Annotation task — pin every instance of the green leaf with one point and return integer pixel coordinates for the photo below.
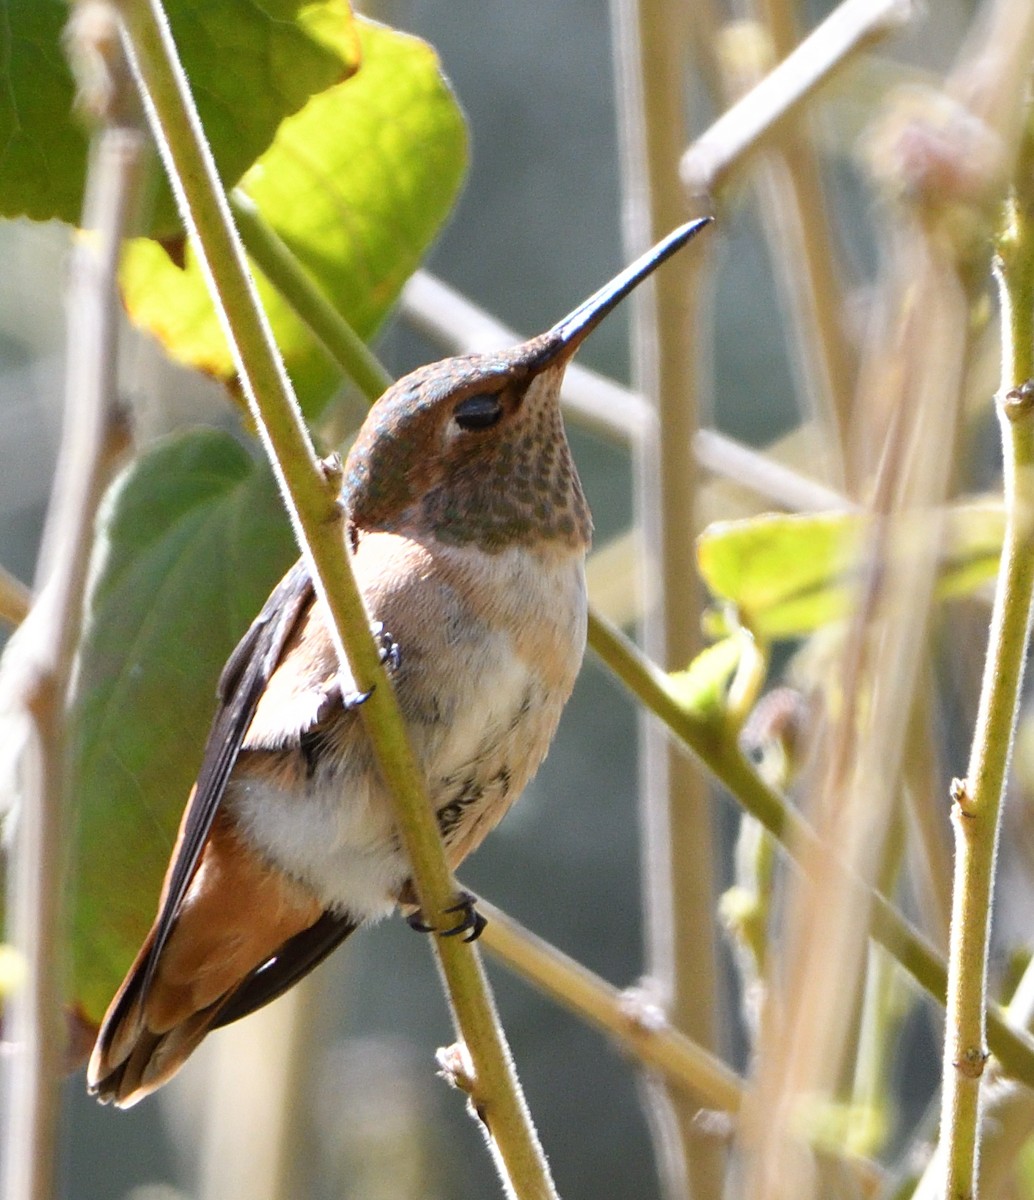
(193, 538)
(357, 185)
(250, 64)
(42, 146)
(787, 575)
(702, 688)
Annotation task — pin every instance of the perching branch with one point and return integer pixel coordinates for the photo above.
(644, 1034)
(310, 491)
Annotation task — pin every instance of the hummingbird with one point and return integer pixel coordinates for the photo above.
(467, 529)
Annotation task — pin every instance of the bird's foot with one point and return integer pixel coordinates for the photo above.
(387, 647)
(391, 660)
(471, 922)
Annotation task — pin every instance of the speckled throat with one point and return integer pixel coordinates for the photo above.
(522, 489)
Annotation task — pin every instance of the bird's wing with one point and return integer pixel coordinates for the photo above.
(241, 685)
(295, 958)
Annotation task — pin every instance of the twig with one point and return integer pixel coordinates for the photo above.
(851, 27)
(797, 229)
(885, 1003)
(675, 817)
(977, 798)
(38, 668)
(761, 473)
(645, 1034)
(283, 270)
(1006, 1119)
(310, 489)
(870, 695)
(927, 846)
(710, 744)
(631, 1020)
(791, 206)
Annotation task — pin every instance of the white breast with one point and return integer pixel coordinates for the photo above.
(490, 649)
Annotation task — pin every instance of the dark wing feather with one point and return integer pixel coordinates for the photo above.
(295, 958)
(244, 677)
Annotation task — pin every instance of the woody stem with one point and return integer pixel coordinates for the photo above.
(310, 490)
(977, 798)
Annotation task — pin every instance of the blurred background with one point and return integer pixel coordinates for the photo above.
(538, 228)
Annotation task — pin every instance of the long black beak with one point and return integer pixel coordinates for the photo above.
(576, 326)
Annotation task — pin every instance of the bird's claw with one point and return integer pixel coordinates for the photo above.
(387, 647)
(352, 700)
(471, 922)
(391, 660)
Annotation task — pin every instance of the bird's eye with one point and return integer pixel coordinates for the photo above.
(480, 411)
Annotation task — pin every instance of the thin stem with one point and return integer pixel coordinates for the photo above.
(253, 1125)
(744, 127)
(977, 798)
(641, 1031)
(39, 669)
(801, 241)
(631, 1020)
(310, 490)
(884, 1005)
(1006, 1119)
(928, 848)
(763, 474)
(1013, 1047)
(794, 215)
(651, 41)
(275, 259)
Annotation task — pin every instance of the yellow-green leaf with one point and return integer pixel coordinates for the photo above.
(357, 184)
(787, 575)
(703, 686)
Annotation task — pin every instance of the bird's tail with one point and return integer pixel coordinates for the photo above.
(148, 1032)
